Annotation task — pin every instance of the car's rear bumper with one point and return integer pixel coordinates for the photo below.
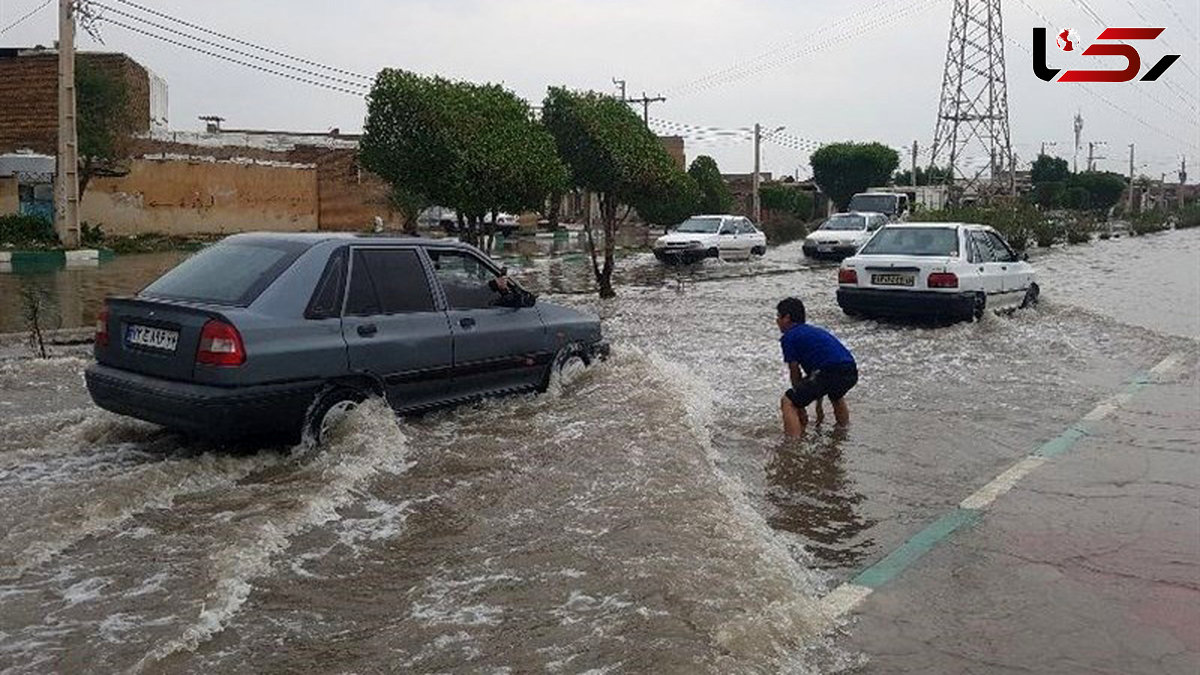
(219, 413)
(674, 255)
(834, 252)
(927, 304)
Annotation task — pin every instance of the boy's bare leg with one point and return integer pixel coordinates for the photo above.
(841, 412)
(793, 418)
(820, 411)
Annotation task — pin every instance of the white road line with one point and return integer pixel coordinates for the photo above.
(1168, 364)
(1002, 483)
(1104, 409)
(843, 599)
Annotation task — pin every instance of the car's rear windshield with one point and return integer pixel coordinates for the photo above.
(228, 273)
(933, 241)
(845, 222)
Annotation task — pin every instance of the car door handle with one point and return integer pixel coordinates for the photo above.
(368, 330)
(466, 322)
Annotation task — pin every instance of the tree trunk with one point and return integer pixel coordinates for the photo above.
(552, 212)
(608, 210)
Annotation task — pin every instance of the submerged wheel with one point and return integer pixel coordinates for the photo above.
(567, 364)
(758, 250)
(979, 306)
(1031, 296)
(328, 409)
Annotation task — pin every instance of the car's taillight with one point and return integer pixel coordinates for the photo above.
(942, 280)
(847, 276)
(220, 345)
(102, 328)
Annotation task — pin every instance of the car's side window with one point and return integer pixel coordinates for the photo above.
(748, 227)
(326, 301)
(982, 248)
(729, 227)
(464, 278)
(1002, 251)
(387, 281)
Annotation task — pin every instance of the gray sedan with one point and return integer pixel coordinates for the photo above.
(277, 334)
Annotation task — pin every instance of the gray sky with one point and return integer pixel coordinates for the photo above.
(876, 76)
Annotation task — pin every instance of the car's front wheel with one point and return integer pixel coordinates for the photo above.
(567, 365)
(328, 410)
(1032, 295)
(758, 250)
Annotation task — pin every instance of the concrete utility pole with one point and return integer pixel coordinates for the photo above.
(756, 203)
(1091, 163)
(914, 164)
(1078, 133)
(645, 101)
(1183, 169)
(66, 181)
(621, 85)
(1129, 208)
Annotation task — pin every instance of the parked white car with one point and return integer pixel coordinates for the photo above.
(725, 237)
(842, 234)
(935, 270)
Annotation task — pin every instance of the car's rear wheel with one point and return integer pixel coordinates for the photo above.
(758, 250)
(1031, 296)
(979, 306)
(328, 410)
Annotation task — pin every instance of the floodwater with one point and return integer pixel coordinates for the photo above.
(645, 516)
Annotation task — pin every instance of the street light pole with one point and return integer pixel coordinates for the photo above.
(756, 204)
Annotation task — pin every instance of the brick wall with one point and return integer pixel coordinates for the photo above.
(29, 96)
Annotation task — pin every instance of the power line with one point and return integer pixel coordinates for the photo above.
(25, 16)
(239, 62)
(231, 50)
(244, 43)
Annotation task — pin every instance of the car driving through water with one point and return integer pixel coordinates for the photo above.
(721, 236)
(278, 334)
(842, 234)
(935, 270)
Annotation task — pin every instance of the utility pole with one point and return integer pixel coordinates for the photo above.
(756, 206)
(1078, 133)
(1183, 169)
(1091, 163)
(620, 85)
(1129, 208)
(645, 101)
(66, 182)
(914, 164)
(1045, 144)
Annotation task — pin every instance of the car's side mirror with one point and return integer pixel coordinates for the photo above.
(503, 271)
(1024, 257)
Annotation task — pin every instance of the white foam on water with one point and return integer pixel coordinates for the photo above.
(367, 442)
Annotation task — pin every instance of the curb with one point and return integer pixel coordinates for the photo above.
(14, 261)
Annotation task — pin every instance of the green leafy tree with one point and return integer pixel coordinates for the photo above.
(105, 125)
(1047, 169)
(843, 169)
(679, 200)
(610, 152)
(934, 175)
(714, 191)
(472, 147)
(1103, 188)
(789, 200)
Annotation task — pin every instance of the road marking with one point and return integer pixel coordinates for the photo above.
(1002, 483)
(846, 597)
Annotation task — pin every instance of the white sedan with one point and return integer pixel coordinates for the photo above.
(842, 234)
(936, 270)
(724, 236)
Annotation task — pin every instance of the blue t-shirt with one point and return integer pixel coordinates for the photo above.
(814, 348)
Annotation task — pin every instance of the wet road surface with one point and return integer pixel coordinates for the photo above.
(646, 517)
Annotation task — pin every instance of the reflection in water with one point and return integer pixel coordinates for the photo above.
(814, 498)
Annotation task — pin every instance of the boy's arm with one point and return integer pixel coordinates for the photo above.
(795, 373)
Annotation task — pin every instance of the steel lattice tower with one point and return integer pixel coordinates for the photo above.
(972, 123)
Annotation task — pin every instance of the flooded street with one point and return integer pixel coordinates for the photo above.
(643, 516)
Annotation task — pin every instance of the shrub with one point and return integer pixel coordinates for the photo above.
(1148, 222)
(1188, 216)
(91, 235)
(1079, 231)
(1016, 222)
(17, 231)
(1046, 232)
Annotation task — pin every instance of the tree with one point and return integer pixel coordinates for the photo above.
(679, 200)
(472, 147)
(1047, 169)
(611, 153)
(105, 126)
(843, 169)
(714, 191)
(790, 200)
(934, 175)
(1104, 188)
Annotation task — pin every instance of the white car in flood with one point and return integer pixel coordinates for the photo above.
(842, 234)
(935, 270)
(725, 237)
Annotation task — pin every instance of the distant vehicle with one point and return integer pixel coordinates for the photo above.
(507, 224)
(439, 217)
(935, 270)
(699, 237)
(842, 234)
(279, 334)
(893, 205)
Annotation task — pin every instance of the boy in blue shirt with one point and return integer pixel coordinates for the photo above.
(819, 365)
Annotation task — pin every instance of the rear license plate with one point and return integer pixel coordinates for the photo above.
(893, 279)
(824, 249)
(153, 338)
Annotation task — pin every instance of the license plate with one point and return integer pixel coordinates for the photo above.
(893, 279)
(824, 249)
(154, 338)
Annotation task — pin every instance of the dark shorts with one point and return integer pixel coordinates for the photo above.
(832, 382)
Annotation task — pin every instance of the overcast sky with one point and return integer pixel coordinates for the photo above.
(876, 76)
